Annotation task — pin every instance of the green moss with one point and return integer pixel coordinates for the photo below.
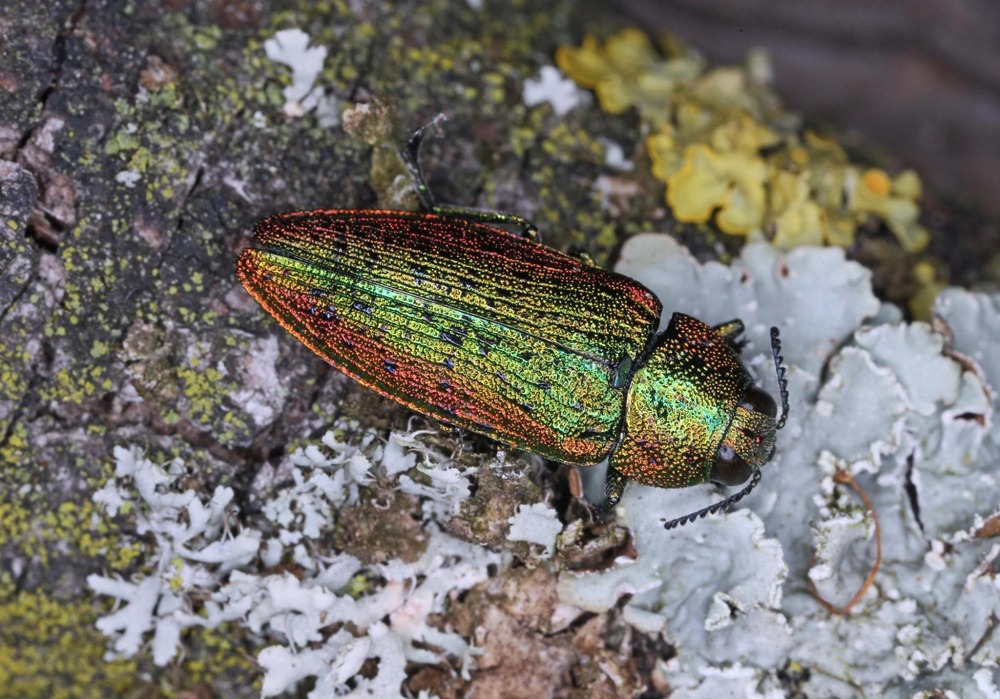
(218, 658)
(83, 529)
(50, 648)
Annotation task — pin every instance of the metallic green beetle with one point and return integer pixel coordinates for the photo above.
(493, 332)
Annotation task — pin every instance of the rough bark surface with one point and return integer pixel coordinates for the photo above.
(139, 143)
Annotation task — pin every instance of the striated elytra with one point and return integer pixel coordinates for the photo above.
(491, 331)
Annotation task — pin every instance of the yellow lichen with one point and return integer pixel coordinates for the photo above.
(218, 653)
(51, 647)
(732, 182)
(663, 152)
(626, 71)
(876, 184)
(928, 285)
(797, 220)
(82, 528)
(742, 133)
(907, 185)
(721, 141)
(875, 193)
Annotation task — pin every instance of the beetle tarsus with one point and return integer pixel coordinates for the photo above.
(527, 228)
(731, 331)
(582, 255)
(614, 487)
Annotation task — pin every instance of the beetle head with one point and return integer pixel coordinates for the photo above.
(749, 441)
(758, 403)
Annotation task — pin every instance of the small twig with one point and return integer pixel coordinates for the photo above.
(856, 687)
(991, 624)
(844, 477)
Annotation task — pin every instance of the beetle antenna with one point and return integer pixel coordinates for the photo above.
(780, 371)
(712, 509)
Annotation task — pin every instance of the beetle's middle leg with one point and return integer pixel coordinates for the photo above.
(614, 487)
(411, 156)
(730, 331)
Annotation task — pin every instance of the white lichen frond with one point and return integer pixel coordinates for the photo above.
(537, 524)
(553, 88)
(201, 547)
(291, 47)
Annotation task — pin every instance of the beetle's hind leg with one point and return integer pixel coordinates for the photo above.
(411, 156)
(731, 331)
(528, 229)
(614, 487)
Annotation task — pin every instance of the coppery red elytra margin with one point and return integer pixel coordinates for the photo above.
(491, 331)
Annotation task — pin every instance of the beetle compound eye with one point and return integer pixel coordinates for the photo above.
(759, 402)
(729, 468)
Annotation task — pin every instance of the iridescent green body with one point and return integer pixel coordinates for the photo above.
(496, 333)
(461, 321)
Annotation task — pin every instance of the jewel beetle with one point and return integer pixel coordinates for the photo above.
(489, 330)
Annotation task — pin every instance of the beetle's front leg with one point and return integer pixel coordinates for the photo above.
(730, 331)
(614, 487)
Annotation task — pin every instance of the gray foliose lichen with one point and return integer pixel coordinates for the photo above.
(907, 410)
